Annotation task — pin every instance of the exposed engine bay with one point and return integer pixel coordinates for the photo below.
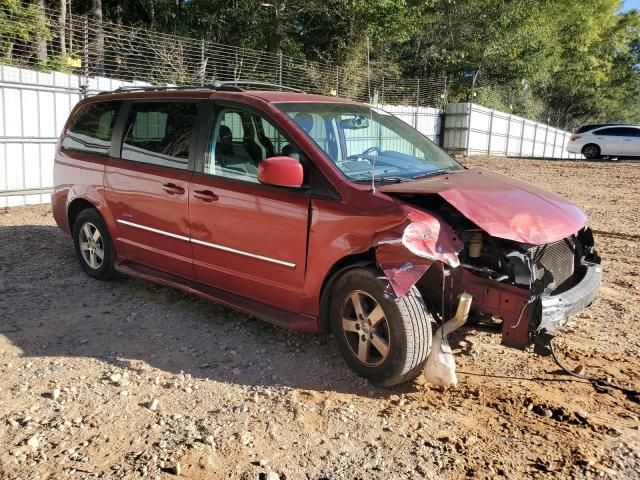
(510, 280)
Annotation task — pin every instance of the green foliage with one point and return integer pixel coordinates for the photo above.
(19, 22)
(571, 61)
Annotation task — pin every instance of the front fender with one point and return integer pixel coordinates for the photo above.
(406, 252)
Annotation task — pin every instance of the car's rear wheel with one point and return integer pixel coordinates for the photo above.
(383, 338)
(93, 245)
(591, 151)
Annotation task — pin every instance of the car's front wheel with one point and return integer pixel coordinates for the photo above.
(93, 245)
(591, 151)
(383, 338)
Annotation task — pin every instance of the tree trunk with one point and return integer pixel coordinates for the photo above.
(62, 28)
(41, 41)
(98, 40)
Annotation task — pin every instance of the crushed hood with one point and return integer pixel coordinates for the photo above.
(502, 206)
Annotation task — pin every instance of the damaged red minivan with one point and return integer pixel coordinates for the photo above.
(315, 213)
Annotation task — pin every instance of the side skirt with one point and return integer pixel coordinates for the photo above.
(276, 316)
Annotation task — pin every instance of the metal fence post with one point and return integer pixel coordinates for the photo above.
(521, 138)
(202, 64)
(506, 143)
(337, 80)
(555, 139)
(280, 68)
(468, 128)
(535, 139)
(544, 150)
(415, 123)
(445, 94)
(85, 53)
(490, 132)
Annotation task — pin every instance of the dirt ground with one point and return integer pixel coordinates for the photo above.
(238, 398)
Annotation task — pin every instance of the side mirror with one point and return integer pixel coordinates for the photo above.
(281, 171)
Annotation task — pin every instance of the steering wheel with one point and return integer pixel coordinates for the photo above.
(368, 151)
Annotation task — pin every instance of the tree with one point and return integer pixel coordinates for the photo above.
(98, 40)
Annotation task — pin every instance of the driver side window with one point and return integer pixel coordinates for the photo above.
(239, 141)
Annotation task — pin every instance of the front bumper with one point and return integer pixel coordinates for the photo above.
(556, 309)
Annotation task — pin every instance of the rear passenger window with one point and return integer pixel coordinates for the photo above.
(92, 128)
(614, 132)
(160, 133)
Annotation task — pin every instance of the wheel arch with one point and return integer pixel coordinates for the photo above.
(346, 263)
(74, 209)
(591, 144)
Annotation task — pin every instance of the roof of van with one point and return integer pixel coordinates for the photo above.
(270, 96)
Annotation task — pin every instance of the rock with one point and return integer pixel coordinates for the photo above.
(153, 404)
(209, 440)
(582, 415)
(262, 462)
(33, 443)
(115, 377)
(271, 475)
(55, 394)
(124, 382)
(580, 369)
(176, 469)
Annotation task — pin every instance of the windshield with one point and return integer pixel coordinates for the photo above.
(362, 141)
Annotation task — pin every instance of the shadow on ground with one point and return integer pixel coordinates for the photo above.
(49, 307)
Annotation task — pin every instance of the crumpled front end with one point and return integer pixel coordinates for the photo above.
(406, 253)
(531, 289)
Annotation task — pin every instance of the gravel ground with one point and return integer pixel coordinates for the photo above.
(129, 379)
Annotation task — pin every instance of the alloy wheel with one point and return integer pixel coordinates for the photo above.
(91, 245)
(365, 328)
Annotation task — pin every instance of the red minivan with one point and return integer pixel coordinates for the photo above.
(316, 213)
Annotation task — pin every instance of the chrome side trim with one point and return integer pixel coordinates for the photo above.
(154, 230)
(246, 254)
(207, 244)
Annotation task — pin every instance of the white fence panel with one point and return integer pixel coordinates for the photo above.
(477, 130)
(34, 107)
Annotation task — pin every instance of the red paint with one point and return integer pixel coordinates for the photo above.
(281, 171)
(213, 218)
(405, 254)
(502, 206)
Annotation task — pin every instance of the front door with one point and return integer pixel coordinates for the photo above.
(147, 188)
(631, 142)
(247, 238)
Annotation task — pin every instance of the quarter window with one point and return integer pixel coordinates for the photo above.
(92, 128)
(160, 133)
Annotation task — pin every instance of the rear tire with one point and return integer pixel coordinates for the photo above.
(389, 340)
(93, 245)
(591, 151)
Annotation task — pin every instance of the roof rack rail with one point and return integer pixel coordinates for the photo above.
(251, 83)
(230, 85)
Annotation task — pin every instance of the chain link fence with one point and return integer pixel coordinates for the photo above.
(99, 49)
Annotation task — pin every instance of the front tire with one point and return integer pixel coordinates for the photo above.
(381, 337)
(591, 151)
(93, 245)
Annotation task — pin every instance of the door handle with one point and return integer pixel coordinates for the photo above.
(206, 195)
(172, 188)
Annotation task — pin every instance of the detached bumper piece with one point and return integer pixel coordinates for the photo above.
(556, 309)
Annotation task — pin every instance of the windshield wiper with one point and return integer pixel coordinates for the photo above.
(388, 179)
(431, 173)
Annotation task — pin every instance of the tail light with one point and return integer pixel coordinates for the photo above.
(573, 138)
